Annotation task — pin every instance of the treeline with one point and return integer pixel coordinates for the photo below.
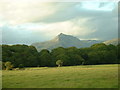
(28, 56)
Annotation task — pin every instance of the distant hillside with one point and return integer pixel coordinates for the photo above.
(63, 40)
(113, 41)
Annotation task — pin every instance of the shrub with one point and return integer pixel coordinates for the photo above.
(59, 63)
(8, 65)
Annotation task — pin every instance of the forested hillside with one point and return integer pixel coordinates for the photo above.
(28, 56)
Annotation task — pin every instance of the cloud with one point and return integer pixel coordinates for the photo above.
(32, 21)
(80, 10)
(24, 11)
(16, 35)
(36, 32)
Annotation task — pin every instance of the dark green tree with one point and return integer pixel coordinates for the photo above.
(45, 58)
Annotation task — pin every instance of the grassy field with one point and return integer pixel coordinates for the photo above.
(90, 76)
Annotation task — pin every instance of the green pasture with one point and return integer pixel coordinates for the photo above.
(86, 76)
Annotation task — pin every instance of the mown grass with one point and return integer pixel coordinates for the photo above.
(89, 76)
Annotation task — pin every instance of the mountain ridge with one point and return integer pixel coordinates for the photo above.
(63, 40)
(114, 41)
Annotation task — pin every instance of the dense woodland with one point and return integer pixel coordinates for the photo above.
(28, 56)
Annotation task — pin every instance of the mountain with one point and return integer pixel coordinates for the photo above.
(113, 41)
(63, 40)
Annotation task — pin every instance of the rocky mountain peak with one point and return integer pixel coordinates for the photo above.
(61, 35)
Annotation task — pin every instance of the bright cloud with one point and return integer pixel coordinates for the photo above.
(24, 11)
(21, 12)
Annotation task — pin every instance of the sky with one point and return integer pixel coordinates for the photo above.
(30, 21)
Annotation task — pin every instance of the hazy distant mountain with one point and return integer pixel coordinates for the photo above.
(113, 41)
(65, 41)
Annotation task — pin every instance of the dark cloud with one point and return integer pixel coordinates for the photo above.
(70, 10)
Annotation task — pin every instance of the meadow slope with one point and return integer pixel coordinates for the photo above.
(88, 76)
